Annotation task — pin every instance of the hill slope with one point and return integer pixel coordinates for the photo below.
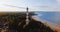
(16, 21)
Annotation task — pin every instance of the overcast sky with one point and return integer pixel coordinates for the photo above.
(34, 5)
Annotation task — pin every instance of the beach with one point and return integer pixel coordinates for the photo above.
(53, 26)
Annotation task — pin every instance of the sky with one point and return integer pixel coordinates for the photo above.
(34, 5)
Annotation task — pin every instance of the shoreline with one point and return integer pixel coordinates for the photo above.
(51, 25)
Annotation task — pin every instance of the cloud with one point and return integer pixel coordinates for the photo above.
(48, 7)
(58, 1)
(34, 5)
(2, 0)
(10, 9)
(4, 8)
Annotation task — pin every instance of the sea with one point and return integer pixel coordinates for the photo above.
(53, 17)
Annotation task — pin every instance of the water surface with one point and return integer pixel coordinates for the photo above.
(53, 17)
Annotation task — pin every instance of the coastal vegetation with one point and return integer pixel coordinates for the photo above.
(16, 21)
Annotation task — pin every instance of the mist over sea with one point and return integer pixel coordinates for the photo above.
(53, 17)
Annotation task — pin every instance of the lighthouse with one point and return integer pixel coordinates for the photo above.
(27, 16)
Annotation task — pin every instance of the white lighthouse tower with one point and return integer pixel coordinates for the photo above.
(27, 16)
